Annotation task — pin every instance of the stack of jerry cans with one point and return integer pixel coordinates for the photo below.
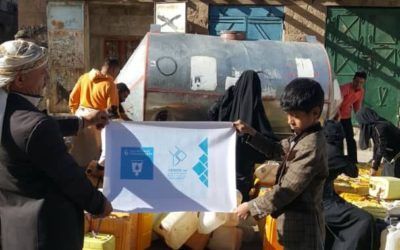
(99, 242)
(131, 231)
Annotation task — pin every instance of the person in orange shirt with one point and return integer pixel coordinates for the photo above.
(353, 94)
(95, 90)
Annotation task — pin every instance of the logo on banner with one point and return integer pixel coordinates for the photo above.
(177, 171)
(137, 163)
(177, 156)
(201, 168)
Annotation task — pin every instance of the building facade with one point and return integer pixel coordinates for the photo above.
(357, 34)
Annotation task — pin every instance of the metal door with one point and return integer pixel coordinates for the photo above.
(383, 43)
(257, 22)
(367, 39)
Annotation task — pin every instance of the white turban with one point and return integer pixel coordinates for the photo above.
(17, 56)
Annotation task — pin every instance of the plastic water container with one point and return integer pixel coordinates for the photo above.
(131, 231)
(384, 187)
(383, 239)
(232, 218)
(197, 241)
(226, 238)
(99, 242)
(270, 241)
(177, 227)
(209, 221)
(266, 173)
(393, 238)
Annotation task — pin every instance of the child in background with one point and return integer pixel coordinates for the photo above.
(296, 198)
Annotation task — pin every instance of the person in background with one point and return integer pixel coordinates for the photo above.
(386, 139)
(43, 191)
(347, 226)
(95, 169)
(123, 92)
(352, 94)
(243, 101)
(95, 90)
(296, 198)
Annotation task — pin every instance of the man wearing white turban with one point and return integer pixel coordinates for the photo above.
(43, 192)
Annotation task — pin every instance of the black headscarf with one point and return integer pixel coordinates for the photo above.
(367, 118)
(243, 101)
(247, 97)
(333, 132)
(337, 162)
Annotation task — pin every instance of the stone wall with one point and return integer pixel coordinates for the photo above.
(130, 22)
(31, 13)
(131, 19)
(197, 17)
(304, 19)
(301, 17)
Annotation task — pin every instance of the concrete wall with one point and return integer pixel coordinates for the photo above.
(301, 17)
(130, 22)
(197, 17)
(131, 19)
(31, 13)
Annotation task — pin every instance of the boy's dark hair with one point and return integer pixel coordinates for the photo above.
(122, 87)
(360, 74)
(302, 94)
(111, 62)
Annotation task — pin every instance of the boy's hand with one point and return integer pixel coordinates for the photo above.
(242, 210)
(244, 128)
(373, 172)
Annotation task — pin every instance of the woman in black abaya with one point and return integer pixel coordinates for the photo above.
(386, 139)
(243, 101)
(347, 227)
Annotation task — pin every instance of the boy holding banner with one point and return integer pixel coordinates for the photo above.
(296, 198)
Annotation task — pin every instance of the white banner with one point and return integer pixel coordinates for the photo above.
(170, 166)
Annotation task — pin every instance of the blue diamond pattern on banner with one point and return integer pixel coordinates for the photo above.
(201, 168)
(204, 146)
(203, 159)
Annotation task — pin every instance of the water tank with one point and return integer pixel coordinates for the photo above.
(174, 76)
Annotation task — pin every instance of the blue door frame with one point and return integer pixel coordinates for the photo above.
(257, 22)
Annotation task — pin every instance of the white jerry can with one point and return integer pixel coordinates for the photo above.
(226, 238)
(177, 227)
(232, 218)
(393, 238)
(209, 221)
